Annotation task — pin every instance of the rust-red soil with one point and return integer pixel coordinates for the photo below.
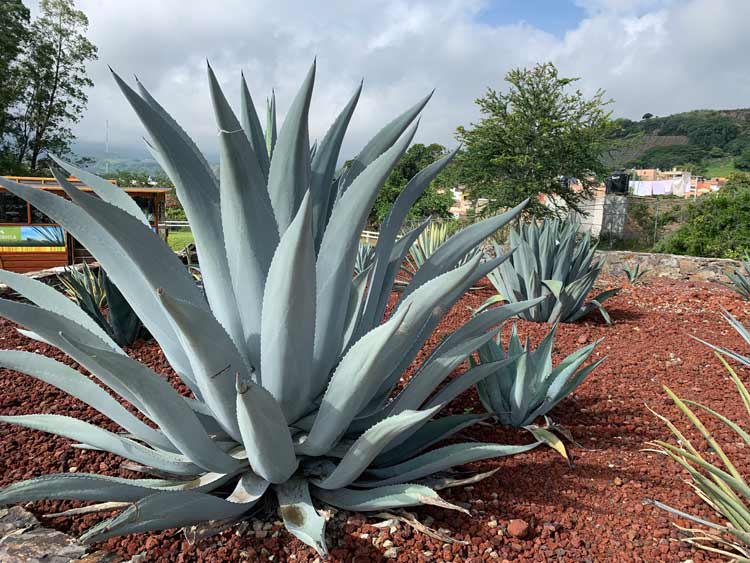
(590, 511)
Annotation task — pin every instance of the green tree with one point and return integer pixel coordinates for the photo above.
(14, 20)
(55, 81)
(743, 160)
(436, 199)
(532, 138)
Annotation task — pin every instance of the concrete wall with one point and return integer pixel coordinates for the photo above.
(669, 265)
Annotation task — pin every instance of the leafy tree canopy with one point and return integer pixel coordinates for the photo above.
(533, 136)
(50, 78)
(436, 199)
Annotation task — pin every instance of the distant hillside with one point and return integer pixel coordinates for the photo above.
(117, 159)
(710, 142)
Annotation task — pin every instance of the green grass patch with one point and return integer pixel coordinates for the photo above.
(178, 240)
(720, 167)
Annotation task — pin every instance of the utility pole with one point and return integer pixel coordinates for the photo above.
(106, 145)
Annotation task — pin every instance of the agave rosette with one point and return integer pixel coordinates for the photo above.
(528, 387)
(291, 360)
(549, 261)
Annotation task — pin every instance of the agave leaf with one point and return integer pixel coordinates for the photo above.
(48, 298)
(434, 371)
(165, 406)
(164, 510)
(456, 247)
(198, 191)
(489, 302)
(204, 170)
(427, 306)
(548, 437)
(250, 229)
(264, 433)
(573, 382)
(79, 486)
(354, 381)
(356, 302)
(382, 292)
(481, 323)
(77, 385)
(379, 498)
(370, 444)
(555, 286)
(253, 130)
(730, 423)
(390, 228)
(213, 356)
(426, 436)
(271, 124)
(122, 320)
(715, 472)
(100, 488)
(323, 167)
(289, 174)
(49, 326)
(710, 440)
(439, 460)
(299, 514)
(80, 431)
(249, 490)
(288, 323)
(381, 142)
(338, 251)
(104, 189)
(466, 381)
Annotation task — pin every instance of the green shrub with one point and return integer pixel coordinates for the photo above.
(717, 225)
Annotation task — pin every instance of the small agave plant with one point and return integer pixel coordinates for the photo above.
(634, 273)
(549, 261)
(739, 279)
(425, 246)
(528, 386)
(291, 360)
(93, 292)
(365, 257)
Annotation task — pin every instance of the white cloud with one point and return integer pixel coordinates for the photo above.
(659, 56)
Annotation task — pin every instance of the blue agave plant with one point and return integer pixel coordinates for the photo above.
(290, 358)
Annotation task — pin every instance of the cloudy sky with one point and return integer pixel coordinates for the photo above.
(658, 56)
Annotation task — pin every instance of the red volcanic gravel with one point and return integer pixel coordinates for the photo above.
(590, 511)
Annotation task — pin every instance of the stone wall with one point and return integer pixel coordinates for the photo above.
(669, 265)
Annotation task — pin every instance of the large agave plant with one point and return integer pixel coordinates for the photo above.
(528, 387)
(549, 261)
(290, 359)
